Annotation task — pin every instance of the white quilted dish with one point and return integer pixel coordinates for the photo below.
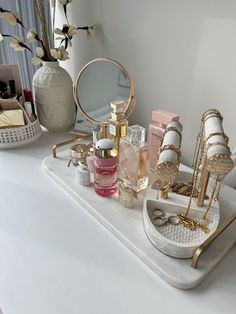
(176, 240)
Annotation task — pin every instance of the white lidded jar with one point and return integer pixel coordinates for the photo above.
(53, 96)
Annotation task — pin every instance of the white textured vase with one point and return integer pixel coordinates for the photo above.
(53, 96)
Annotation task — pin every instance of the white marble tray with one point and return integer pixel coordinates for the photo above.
(127, 226)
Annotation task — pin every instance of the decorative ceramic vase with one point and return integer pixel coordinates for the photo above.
(53, 96)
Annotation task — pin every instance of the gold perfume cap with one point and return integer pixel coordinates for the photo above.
(79, 151)
(105, 148)
(118, 106)
(117, 116)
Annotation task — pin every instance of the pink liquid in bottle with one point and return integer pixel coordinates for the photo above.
(105, 168)
(105, 176)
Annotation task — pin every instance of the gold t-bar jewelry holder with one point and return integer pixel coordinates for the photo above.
(217, 165)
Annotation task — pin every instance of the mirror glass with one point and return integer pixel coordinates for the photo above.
(101, 82)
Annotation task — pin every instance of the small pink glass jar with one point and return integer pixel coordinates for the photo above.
(105, 168)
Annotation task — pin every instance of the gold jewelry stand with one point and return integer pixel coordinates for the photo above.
(212, 162)
(204, 180)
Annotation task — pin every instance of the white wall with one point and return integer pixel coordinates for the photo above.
(181, 55)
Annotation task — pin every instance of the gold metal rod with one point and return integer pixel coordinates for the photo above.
(196, 150)
(77, 138)
(211, 239)
(203, 185)
(210, 200)
(196, 168)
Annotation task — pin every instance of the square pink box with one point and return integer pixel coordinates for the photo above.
(164, 117)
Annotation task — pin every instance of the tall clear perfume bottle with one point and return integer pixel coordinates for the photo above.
(134, 159)
(117, 125)
(105, 168)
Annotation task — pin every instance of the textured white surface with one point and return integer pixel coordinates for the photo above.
(127, 226)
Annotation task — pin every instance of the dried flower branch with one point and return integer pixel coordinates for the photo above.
(40, 9)
(66, 34)
(64, 3)
(44, 53)
(17, 43)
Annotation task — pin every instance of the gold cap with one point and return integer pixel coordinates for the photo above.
(117, 116)
(118, 106)
(79, 151)
(105, 148)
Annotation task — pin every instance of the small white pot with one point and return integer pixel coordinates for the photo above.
(53, 96)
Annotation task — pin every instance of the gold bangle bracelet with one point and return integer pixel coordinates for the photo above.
(171, 147)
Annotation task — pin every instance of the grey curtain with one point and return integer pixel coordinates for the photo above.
(27, 12)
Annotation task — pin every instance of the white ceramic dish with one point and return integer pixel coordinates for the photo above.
(176, 240)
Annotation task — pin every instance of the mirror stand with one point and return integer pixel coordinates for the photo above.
(100, 81)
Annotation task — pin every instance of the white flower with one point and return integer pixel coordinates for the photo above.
(55, 53)
(72, 30)
(18, 43)
(36, 60)
(31, 34)
(91, 30)
(67, 32)
(64, 53)
(58, 31)
(65, 2)
(40, 52)
(1, 37)
(59, 53)
(10, 17)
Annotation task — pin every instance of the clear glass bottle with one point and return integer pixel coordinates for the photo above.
(134, 159)
(105, 168)
(117, 125)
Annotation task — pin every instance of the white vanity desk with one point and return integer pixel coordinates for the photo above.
(56, 259)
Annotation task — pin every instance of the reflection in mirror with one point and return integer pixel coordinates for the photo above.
(100, 83)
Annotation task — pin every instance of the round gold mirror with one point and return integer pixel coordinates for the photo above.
(100, 82)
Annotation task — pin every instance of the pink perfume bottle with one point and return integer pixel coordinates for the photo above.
(105, 168)
(156, 131)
